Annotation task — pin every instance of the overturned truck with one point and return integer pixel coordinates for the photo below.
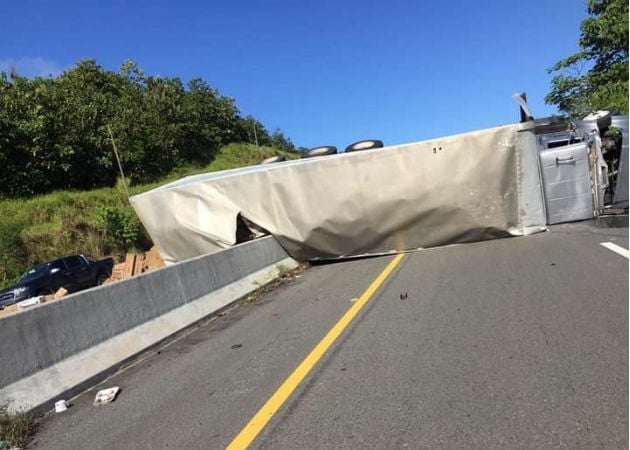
(463, 188)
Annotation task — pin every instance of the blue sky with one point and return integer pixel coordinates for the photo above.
(327, 72)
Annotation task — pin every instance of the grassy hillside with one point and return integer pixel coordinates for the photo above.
(98, 222)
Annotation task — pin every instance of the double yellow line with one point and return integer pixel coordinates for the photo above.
(264, 415)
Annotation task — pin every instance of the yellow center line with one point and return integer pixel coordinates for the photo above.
(264, 415)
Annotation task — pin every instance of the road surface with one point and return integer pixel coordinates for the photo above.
(512, 343)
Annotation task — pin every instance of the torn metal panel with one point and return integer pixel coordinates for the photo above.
(462, 188)
(621, 184)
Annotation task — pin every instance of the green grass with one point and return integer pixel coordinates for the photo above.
(229, 157)
(98, 222)
(15, 427)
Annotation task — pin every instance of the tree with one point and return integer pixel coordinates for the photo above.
(54, 131)
(596, 77)
(86, 98)
(280, 141)
(25, 128)
(209, 122)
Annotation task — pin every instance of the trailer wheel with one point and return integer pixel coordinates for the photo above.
(273, 159)
(602, 117)
(320, 151)
(364, 145)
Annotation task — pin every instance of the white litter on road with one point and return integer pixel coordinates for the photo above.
(106, 395)
(61, 406)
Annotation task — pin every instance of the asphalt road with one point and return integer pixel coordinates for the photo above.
(512, 343)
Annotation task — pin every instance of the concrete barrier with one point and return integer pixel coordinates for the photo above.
(57, 349)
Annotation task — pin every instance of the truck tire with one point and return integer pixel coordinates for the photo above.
(602, 117)
(320, 151)
(364, 145)
(273, 159)
(102, 278)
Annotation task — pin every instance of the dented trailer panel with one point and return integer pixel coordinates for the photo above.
(461, 188)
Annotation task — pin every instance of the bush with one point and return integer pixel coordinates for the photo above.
(121, 228)
(15, 427)
(11, 250)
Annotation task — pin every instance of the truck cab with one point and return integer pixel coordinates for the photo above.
(584, 166)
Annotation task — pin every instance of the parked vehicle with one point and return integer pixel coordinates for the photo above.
(73, 273)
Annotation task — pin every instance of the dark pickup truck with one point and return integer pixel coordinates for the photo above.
(73, 273)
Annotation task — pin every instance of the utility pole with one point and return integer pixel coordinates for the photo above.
(255, 134)
(122, 174)
(256, 137)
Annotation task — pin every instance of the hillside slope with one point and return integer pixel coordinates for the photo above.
(99, 222)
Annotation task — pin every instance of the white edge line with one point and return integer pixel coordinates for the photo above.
(616, 248)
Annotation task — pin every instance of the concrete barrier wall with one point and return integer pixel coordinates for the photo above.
(37, 339)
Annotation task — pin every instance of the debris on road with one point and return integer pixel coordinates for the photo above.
(33, 301)
(235, 346)
(284, 276)
(61, 292)
(136, 264)
(106, 396)
(61, 406)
